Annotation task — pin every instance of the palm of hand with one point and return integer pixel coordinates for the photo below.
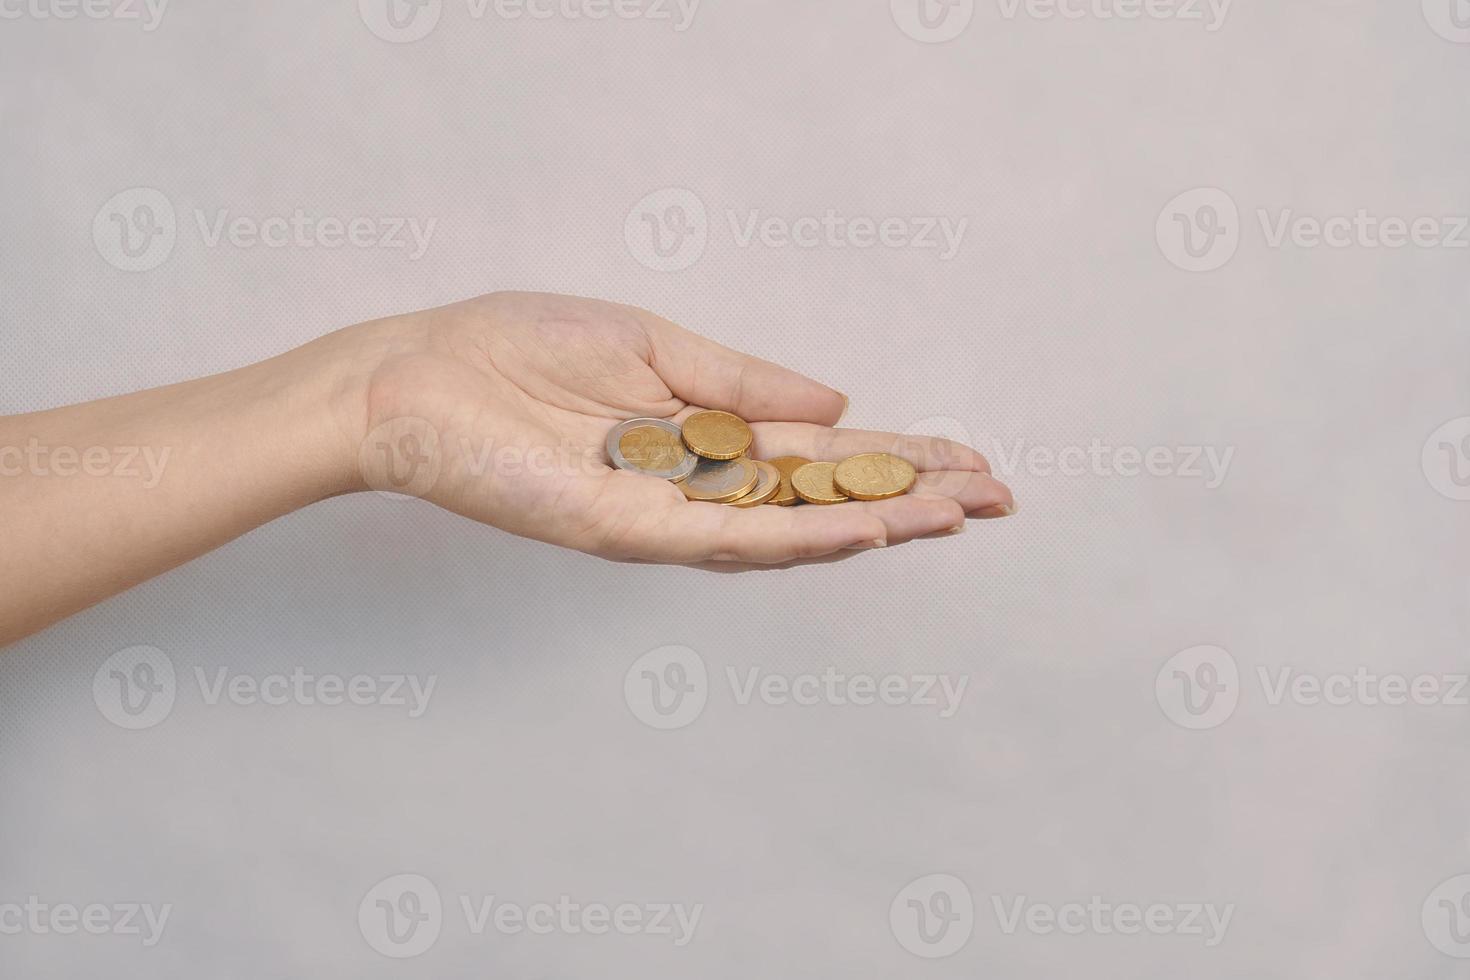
(520, 391)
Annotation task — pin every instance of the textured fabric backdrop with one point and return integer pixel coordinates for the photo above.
(1080, 236)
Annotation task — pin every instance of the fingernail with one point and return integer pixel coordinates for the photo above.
(864, 545)
(845, 402)
(997, 510)
(957, 529)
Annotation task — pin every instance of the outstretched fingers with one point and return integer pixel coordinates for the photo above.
(646, 523)
(820, 442)
(947, 469)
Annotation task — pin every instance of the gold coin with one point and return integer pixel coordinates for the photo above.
(648, 448)
(874, 476)
(765, 487)
(787, 465)
(719, 482)
(813, 483)
(717, 435)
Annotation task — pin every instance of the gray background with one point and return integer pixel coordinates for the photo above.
(1062, 320)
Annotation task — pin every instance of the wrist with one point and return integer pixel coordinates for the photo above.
(335, 378)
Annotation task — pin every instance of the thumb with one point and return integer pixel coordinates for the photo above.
(705, 373)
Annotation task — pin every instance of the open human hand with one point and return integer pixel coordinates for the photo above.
(498, 409)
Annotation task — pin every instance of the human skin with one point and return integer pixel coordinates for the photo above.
(507, 400)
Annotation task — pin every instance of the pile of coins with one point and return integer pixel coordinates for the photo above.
(707, 458)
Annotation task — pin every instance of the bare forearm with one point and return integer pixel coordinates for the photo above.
(98, 497)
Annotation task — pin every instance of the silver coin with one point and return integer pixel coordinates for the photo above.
(653, 447)
(721, 481)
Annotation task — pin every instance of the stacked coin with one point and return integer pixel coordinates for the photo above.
(707, 458)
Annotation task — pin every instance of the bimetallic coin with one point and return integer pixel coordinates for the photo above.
(766, 485)
(874, 476)
(653, 447)
(813, 483)
(717, 435)
(787, 465)
(721, 481)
